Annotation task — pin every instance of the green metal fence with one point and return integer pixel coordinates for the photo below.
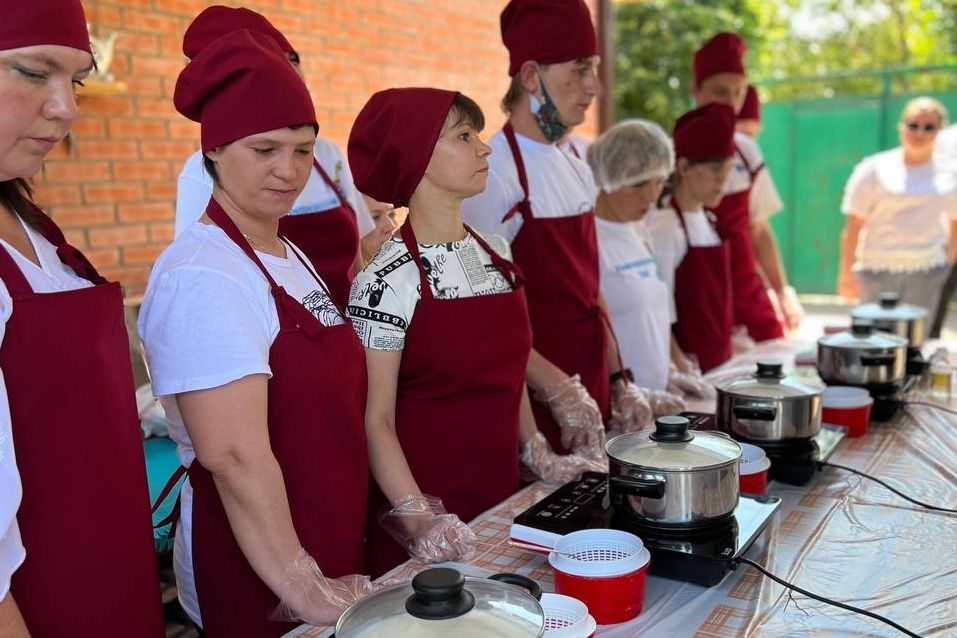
(811, 146)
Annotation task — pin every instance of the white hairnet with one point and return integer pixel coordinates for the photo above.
(630, 152)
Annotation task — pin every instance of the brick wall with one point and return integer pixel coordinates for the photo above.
(112, 187)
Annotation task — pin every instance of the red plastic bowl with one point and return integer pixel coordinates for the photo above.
(847, 406)
(753, 470)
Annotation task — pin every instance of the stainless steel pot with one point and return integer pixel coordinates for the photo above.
(862, 357)
(770, 406)
(672, 476)
(890, 315)
(442, 602)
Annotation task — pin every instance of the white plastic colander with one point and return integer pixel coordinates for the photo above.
(599, 553)
(567, 617)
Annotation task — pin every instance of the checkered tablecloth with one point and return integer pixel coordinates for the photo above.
(841, 536)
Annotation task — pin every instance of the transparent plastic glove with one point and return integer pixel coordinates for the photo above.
(690, 384)
(630, 410)
(577, 415)
(537, 455)
(791, 308)
(427, 531)
(310, 597)
(664, 403)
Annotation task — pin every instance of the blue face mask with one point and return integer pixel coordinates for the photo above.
(546, 114)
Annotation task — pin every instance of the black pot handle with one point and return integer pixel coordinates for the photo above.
(648, 488)
(520, 581)
(877, 360)
(755, 412)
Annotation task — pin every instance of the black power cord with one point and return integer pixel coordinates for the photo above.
(927, 404)
(851, 608)
(935, 508)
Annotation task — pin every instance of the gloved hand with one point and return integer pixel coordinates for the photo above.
(577, 415)
(664, 403)
(630, 410)
(690, 383)
(427, 531)
(537, 455)
(308, 596)
(791, 308)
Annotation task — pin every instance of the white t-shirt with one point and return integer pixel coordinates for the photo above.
(209, 318)
(576, 145)
(559, 186)
(946, 143)
(195, 186)
(668, 238)
(50, 276)
(764, 199)
(385, 293)
(639, 300)
(906, 211)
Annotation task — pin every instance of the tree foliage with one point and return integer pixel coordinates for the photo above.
(787, 39)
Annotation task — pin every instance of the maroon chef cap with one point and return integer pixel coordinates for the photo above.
(392, 141)
(217, 20)
(751, 110)
(705, 133)
(547, 31)
(723, 53)
(28, 23)
(240, 85)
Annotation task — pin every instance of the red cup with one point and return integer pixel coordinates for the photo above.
(605, 569)
(847, 406)
(753, 470)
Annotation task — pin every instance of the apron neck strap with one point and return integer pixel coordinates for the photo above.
(524, 206)
(412, 245)
(332, 184)
(290, 311)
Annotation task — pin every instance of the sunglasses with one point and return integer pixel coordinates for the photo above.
(914, 127)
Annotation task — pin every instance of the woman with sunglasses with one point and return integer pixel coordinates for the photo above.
(899, 205)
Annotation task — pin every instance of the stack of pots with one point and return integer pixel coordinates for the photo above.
(863, 357)
(769, 407)
(674, 478)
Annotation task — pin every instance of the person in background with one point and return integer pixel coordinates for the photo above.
(76, 545)
(631, 162)
(901, 215)
(377, 209)
(261, 375)
(748, 120)
(542, 201)
(330, 216)
(750, 199)
(443, 318)
(693, 257)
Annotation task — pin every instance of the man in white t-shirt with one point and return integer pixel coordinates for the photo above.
(541, 200)
(750, 199)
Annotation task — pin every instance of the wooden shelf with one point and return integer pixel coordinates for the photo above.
(98, 88)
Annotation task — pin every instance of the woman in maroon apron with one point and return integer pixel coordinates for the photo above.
(79, 548)
(330, 237)
(719, 76)
(443, 317)
(266, 377)
(703, 140)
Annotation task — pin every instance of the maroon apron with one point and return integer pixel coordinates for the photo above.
(458, 398)
(329, 238)
(315, 418)
(752, 306)
(90, 568)
(559, 258)
(703, 303)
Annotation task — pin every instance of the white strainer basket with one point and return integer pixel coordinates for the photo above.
(567, 617)
(599, 553)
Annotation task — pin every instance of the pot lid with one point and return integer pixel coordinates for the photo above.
(862, 336)
(673, 446)
(442, 602)
(889, 308)
(770, 382)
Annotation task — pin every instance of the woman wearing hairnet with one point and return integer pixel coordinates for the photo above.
(631, 162)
